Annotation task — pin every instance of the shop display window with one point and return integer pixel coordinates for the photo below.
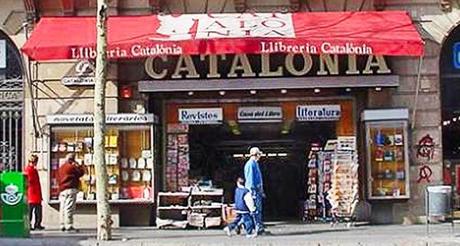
(129, 158)
(387, 160)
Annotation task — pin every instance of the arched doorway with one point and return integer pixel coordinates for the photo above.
(11, 104)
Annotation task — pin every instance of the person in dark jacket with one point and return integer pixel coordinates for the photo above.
(34, 192)
(244, 206)
(68, 177)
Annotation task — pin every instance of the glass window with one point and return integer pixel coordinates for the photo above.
(387, 160)
(129, 159)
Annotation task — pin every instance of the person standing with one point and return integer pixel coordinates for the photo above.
(254, 183)
(68, 176)
(34, 192)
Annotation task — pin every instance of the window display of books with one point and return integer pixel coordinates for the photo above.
(129, 160)
(387, 158)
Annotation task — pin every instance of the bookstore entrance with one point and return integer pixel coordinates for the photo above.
(218, 154)
(208, 144)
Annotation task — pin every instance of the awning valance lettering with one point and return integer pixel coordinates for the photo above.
(362, 33)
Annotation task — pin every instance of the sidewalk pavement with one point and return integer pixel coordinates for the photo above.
(284, 234)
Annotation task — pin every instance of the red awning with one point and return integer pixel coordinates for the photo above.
(378, 33)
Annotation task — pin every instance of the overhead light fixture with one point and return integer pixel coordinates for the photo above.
(378, 88)
(283, 91)
(317, 90)
(190, 93)
(222, 93)
(286, 128)
(348, 89)
(282, 154)
(253, 92)
(454, 119)
(234, 128)
(238, 155)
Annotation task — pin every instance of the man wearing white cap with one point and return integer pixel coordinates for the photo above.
(254, 183)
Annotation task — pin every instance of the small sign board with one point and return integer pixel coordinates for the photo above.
(11, 96)
(198, 116)
(456, 55)
(331, 112)
(260, 114)
(2, 53)
(82, 74)
(77, 119)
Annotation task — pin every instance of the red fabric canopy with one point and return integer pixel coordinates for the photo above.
(362, 33)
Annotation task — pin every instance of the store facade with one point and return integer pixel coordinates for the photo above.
(211, 106)
(310, 104)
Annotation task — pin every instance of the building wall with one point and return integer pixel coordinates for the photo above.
(426, 120)
(50, 97)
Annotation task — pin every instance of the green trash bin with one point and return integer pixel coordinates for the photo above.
(14, 210)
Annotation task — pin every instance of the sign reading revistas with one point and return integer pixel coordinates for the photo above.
(260, 114)
(330, 112)
(197, 116)
(75, 119)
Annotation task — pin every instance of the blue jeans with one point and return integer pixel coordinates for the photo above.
(258, 216)
(245, 219)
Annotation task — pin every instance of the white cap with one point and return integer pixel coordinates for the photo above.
(255, 151)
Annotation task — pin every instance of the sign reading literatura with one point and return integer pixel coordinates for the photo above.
(318, 112)
(262, 65)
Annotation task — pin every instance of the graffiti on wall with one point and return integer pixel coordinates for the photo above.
(424, 174)
(425, 152)
(425, 148)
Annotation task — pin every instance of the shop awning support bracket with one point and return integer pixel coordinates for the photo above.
(417, 91)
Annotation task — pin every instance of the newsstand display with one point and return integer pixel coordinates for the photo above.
(332, 180)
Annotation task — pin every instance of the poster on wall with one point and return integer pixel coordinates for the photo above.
(2, 54)
(200, 116)
(331, 112)
(457, 178)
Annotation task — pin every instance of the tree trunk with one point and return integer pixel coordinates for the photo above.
(103, 209)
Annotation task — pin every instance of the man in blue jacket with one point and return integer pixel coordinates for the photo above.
(254, 183)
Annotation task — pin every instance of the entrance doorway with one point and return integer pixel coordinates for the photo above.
(217, 153)
(11, 105)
